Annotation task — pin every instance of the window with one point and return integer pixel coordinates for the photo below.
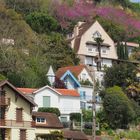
(40, 120)
(2, 112)
(90, 50)
(83, 76)
(22, 134)
(97, 34)
(89, 61)
(83, 95)
(63, 119)
(83, 105)
(46, 101)
(104, 51)
(19, 114)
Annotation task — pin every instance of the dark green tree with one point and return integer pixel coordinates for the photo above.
(42, 22)
(118, 108)
(122, 75)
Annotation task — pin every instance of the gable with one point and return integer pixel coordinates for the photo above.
(6, 84)
(87, 39)
(70, 75)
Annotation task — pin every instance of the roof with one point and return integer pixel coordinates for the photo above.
(130, 44)
(52, 120)
(27, 90)
(82, 29)
(75, 70)
(3, 83)
(61, 92)
(76, 135)
(68, 92)
(70, 75)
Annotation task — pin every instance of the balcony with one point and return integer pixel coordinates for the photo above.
(4, 101)
(14, 123)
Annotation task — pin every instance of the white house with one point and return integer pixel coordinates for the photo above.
(67, 101)
(84, 44)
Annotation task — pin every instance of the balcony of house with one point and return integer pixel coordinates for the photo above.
(14, 123)
(4, 101)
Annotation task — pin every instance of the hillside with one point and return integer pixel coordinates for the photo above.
(38, 29)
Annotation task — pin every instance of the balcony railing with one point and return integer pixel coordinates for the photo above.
(14, 123)
(4, 101)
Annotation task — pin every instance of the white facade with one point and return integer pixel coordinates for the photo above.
(84, 75)
(66, 104)
(86, 93)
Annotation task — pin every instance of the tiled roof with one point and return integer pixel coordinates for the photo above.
(52, 120)
(82, 29)
(27, 90)
(68, 92)
(3, 83)
(75, 70)
(76, 135)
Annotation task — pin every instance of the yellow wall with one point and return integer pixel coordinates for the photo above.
(44, 130)
(20, 103)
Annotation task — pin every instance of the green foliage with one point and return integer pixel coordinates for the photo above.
(118, 108)
(87, 115)
(42, 22)
(54, 135)
(115, 31)
(49, 110)
(110, 132)
(130, 135)
(98, 132)
(101, 119)
(57, 52)
(86, 82)
(2, 77)
(122, 51)
(24, 6)
(120, 74)
(75, 117)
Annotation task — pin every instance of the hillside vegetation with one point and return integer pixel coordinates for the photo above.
(38, 29)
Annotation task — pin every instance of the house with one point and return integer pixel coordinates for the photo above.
(66, 100)
(84, 76)
(80, 72)
(15, 114)
(45, 123)
(83, 43)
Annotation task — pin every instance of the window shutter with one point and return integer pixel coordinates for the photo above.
(46, 101)
(22, 134)
(19, 114)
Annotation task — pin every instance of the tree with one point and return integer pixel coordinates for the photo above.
(49, 110)
(42, 22)
(56, 51)
(118, 108)
(24, 6)
(122, 74)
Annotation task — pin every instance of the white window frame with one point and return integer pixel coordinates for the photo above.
(40, 120)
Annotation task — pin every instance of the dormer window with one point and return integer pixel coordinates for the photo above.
(97, 35)
(40, 120)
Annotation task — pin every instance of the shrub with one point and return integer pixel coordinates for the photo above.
(75, 117)
(41, 22)
(98, 132)
(49, 110)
